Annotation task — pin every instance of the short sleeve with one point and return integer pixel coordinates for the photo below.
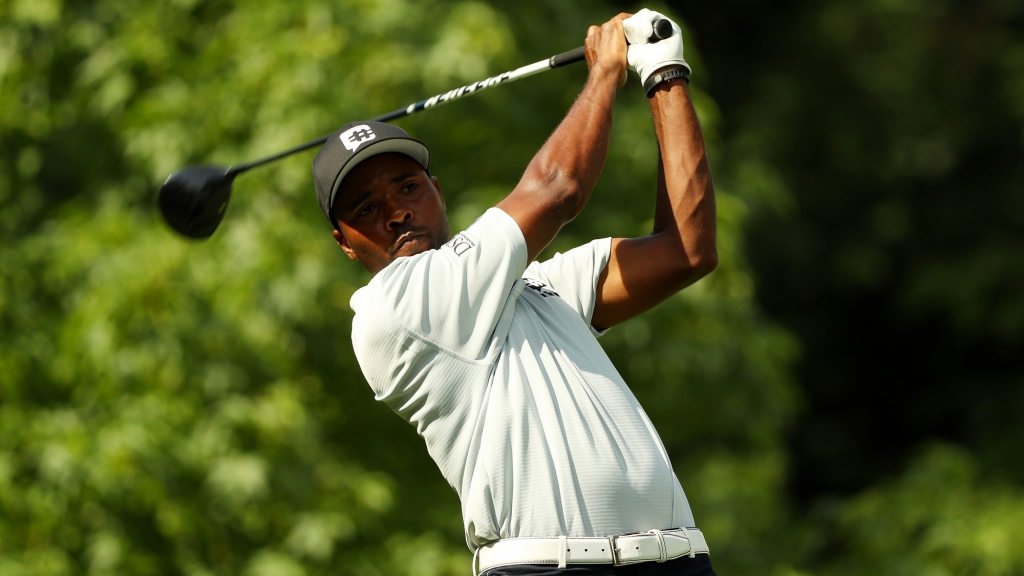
(457, 296)
(574, 275)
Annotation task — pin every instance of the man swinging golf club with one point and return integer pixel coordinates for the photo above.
(493, 356)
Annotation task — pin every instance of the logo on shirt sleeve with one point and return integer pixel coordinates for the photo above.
(460, 244)
(539, 287)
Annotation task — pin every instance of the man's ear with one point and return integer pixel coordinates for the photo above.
(437, 186)
(340, 239)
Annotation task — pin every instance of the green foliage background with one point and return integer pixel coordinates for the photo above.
(172, 407)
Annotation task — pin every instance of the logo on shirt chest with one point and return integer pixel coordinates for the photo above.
(539, 287)
(460, 243)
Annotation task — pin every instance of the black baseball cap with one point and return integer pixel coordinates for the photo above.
(353, 143)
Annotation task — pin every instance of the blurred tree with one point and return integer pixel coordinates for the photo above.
(170, 407)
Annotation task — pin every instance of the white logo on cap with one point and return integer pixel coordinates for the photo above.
(357, 135)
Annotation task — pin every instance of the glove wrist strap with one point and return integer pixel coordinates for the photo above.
(655, 79)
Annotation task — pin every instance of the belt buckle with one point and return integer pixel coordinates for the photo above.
(611, 544)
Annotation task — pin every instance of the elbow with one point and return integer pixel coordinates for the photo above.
(555, 189)
(692, 267)
(702, 255)
(706, 263)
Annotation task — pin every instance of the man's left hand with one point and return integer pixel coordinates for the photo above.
(646, 58)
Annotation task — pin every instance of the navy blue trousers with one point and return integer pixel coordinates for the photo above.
(699, 565)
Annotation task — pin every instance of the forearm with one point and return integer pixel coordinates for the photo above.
(559, 179)
(563, 173)
(685, 208)
(642, 272)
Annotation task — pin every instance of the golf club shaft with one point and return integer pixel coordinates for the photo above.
(556, 61)
(662, 29)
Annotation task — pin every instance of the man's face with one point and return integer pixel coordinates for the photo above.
(388, 207)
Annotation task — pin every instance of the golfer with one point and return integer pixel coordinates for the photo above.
(493, 356)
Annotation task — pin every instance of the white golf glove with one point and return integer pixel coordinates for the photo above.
(642, 56)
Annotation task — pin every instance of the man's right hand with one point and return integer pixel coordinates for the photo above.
(606, 49)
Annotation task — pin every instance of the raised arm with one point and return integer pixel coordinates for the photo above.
(642, 272)
(559, 179)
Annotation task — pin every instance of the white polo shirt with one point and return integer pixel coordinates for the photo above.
(499, 370)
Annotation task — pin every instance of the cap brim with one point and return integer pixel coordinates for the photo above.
(408, 146)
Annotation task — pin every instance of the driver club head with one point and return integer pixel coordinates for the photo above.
(193, 199)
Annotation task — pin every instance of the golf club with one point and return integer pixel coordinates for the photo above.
(193, 200)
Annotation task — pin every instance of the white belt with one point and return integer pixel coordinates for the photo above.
(620, 549)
